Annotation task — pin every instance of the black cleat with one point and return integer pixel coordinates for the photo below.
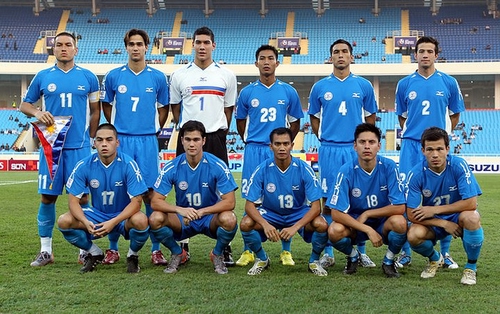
(91, 262)
(351, 266)
(228, 256)
(390, 271)
(133, 264)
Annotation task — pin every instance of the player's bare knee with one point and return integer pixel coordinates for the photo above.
(470, 220)
(227, 220)
(64, 221)
(335, 232)
(156, 220)
(319, 224)
(139, 221)
(416, 234)
(399, 224)
(246, 224)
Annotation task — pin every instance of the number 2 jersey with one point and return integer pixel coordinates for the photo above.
(197, 187)
(429, 188)
(67, 93)
(111, 186)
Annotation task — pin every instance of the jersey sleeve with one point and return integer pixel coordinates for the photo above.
(294, 110)
(467, 184)
(135, 183)
(255, 189)
(339, 197)
(174, 89)
(395, 185)
(33, 92)
(312, 185)
(456, 103)
(231, 90)
(225, 180)
(399, 100)
(163, 98)
(242, 104)
(164, 183)
(369, 102)
(414, 190)
(77, 181)
(107, 91)
(314, 106)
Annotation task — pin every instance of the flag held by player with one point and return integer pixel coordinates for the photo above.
(52, 138)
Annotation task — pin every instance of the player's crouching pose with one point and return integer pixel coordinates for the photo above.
(116, 187)
(442, 200)
(368, 202)
(283, 185)
(204, 200)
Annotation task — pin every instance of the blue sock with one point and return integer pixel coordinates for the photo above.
(318, 242)
(426, 249)
(329, 245)
(362, 247)
(113, 240)
(223, 239)
(246, 248)
(406, 249)
(444, 245)
(155, 244)
(286, 245)
(472, 242)
(138, 238)
(46, 219)
(77, 237)
(396, 241)
(166, 236)
(254, 242)
(344, 245)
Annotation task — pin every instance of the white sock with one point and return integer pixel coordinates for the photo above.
(95, 250)
(130, 253)
(46, 245)
(184, 241)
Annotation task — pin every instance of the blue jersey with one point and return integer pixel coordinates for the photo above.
(283, 192)
(267, 108)
(135, 98)
(429, 188)
(357, 191)
(66, 94)
(112, 186)
(199, 187)
(426, 102)
(341, 105)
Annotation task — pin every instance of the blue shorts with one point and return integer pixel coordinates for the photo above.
(376, 223)
(280, 221)
(67, 161)
(330, 158)
(97, 216)
(144, 150)
(409, 156)
(198, 226)
(254, 155)
(440, 233)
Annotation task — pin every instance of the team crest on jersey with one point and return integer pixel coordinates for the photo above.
(328, 96)
(94, 183)
(255, 102)
(183, 185)
(412, 95)
(356, 192)
(427, 193)
(122, 89)
(52, 87)
(271, 187)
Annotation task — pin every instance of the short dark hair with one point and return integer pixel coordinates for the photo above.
(280, 131)
(133, 32)
(341, 41)
(435, 134)
(107, 126)
(193, 125)
(204, 31)
(266, 47)
(367, 127)
(66, 34)
(428, 39)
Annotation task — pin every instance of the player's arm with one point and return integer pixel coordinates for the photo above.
(241, 125)
(315, 124)
(402, 121)
(287, 233)
(176, 112)
(158, 203)
(252, 212)
(42, 116)
(426, 212)
(95, 116)
(455, 118)
(449, 226)
(163, 115)
(386, 211)
(348, 221)
(371, 119)
(227, 203)
(228, 111)
(106, 109)
(77, 212)
(295, 127)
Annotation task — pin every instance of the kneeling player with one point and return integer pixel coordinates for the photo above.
(283, 185)
(116, 187)
(204, 200)
(442, 200)
(368, 202)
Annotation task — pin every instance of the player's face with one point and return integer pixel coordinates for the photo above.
(136, 48)
(367, 146)
(203, 48)
(193, 143)
(341, 56)
(435, 152)
(65, 49)
(267, 63)
(282, 145)
(426, 55)
(106, 143)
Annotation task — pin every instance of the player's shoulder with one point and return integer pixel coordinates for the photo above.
(386, 162)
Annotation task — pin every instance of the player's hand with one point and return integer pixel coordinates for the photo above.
(188, 213)
(271, 233)
(375, 238)
(89, 225)
(454, 229)
(103, 229)
(287, 233)
(423, 212)
(45, 117)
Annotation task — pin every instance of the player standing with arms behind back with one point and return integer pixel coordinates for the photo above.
(425, 98)
(66, 90)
